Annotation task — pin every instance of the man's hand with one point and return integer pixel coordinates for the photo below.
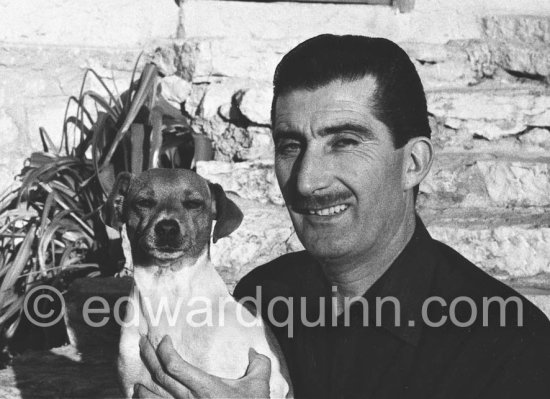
(182, 380)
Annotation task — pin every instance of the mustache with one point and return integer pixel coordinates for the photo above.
(299, 202)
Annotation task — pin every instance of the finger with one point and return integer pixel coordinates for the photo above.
(259, 365)
(198, 381)
(151, 361)
(151, 390)
(155, 389)
(141, 391)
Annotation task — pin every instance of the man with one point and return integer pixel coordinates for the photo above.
(352, 144)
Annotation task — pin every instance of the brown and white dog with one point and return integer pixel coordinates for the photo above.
(169, 215)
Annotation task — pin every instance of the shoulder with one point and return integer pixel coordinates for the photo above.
(459, 279)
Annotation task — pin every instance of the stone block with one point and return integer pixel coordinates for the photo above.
(456, 64)
(15, 146)
(265, 233)
(537, 137)
(235, 142)
(520, 43)
(517, 183)
(7, 176)
(491, 114)
(531, 143)
(444, 65)
(39, 57)
(207, 99)
(454, 181)
(459, 115)
(531, 61)
(478, 181)
(262, 147)
(515, 250)
(46, 113)
(18, 85)
(175, 90)
(249, 180)
(166, 59)
(244, 58)
(533, 285)
(40, 72)
(88, 23)
(446, 74)
(9, 130)
(526, 29)
(255, 105)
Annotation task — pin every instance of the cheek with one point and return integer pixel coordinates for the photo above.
(283, 171)
(394, 176)
(135, 224)
(386, 190)
(375, 182)
(200, 227)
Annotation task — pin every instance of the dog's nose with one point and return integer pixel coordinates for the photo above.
(167, 228)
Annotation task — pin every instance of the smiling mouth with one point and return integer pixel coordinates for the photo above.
(330, 211)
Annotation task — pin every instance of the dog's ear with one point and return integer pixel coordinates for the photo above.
(227, 214)
(115, 202)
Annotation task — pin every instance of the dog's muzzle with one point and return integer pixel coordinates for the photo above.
(167, 235)
(167, 230)
(165, 241)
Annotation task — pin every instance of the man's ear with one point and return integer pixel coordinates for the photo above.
(115, 202)
(227, 214)
(418, 160)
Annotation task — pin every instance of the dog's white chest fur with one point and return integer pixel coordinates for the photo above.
(208, 327)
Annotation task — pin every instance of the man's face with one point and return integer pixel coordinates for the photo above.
(338, 170)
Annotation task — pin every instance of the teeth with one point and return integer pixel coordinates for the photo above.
(333, 210)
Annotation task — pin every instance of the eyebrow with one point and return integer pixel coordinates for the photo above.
(327, 131)
(347, 126)
(286, 134)
(191, 195)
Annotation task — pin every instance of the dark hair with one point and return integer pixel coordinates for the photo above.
(399, 99)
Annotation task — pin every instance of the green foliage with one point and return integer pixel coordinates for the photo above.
(52, 226)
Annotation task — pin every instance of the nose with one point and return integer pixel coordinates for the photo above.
(167, 228)
(312, 173)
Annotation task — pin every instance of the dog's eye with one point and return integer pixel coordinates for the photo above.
(145, 203)
(192, 204)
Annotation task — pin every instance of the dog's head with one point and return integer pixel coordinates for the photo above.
(169, 214)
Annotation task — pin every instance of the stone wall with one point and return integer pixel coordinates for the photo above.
(485, 67)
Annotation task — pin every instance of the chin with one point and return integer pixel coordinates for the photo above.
(326, 250)
(166, 256)
(160, 257)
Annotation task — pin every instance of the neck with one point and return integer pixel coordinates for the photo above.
(164, 295)
(353, 277)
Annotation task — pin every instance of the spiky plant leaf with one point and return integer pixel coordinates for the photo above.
(52, 224)
(23, 255)
(147, 83)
